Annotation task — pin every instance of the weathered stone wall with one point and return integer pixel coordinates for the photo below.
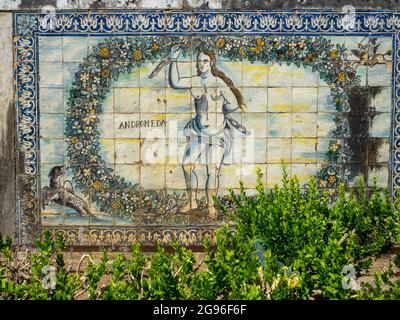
(7, 128)
(198, 4)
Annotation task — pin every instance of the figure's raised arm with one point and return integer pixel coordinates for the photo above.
(176, 81)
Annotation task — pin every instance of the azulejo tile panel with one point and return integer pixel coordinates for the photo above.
(129, 123)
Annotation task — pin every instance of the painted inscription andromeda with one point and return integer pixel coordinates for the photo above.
(142, 129)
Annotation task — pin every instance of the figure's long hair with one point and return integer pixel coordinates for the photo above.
(220, 74)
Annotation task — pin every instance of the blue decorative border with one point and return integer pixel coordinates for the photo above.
(204, 22)
(28, 26)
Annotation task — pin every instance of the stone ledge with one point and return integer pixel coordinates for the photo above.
(197, 4)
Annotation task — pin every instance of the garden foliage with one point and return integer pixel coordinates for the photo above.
(291, 242)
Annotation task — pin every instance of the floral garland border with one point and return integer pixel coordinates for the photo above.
(119, 55)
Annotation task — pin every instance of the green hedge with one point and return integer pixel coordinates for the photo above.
(291, 242)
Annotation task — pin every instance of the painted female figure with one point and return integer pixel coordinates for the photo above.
(209, 134)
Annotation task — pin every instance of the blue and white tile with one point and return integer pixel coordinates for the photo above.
(381, 125)
(109, 124)
(304, 99)
(325, 100)
(256, 122)
(126, 100)
(322, 148)
(177, 101)
(153, 151)
(128, 80)
(279, 99)
(304, 124)
(280, 75)
(229, 176)
(51, 75)
(233, 70)
(130, 172)
(304, 150)
(279, 125)
(380, 75)
(127, 151)
(148, 172)
(75, 49)
(255, 74)
(50, 49)
(304, 77)
(156, 127)
(52, 125)
(256, 99)
(152, 100)
(278, 150)
(174, 178)
(382, 102)
(249, 176)
(51, 151)
(325, 124)
(107, 150)
(51, 100)
(68, 73)
(159, 81)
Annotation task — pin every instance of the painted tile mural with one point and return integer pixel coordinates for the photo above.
(129, 125)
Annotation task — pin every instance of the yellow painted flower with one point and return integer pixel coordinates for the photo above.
(105, 73)
(115, 204)
(220, 43)
(301, 45)
(92, 111)
(322, 183)
(74, 140)
(334, 147)
(292, 45)
(256, 49)
(334, 53)
(86, 172)
(97, 184)
(332, 179)
(84, 77)
(104, 52)
(339, 100)
(154, 46)
(241, 51)
(137, 55)
(259, 42)
(310, 57)
(92, 118)
(341, 76)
